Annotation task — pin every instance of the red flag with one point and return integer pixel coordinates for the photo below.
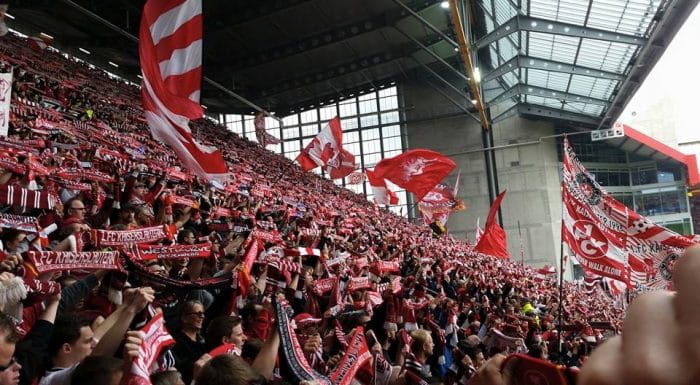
(357, 177)
(418, 171)
(493, 240)
(170, 50)
(341, 165)
(324, 147)
(382, 194)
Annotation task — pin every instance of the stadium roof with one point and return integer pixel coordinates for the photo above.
(574, 60)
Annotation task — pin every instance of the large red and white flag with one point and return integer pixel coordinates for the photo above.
(264, 138)
(592, 228)
(493, 240)
(610, 239)
(324, 147)
(170, 50)
(382, 194)
(417, 171)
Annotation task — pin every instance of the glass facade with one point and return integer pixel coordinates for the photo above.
(371, 131)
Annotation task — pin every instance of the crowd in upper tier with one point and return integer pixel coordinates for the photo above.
(80, 159)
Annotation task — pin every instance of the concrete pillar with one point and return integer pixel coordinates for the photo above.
(530, 173)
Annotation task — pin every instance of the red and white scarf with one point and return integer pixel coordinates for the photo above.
(155, 339)
(49, 261)
(19, 222)
(29, 199)
(127, 237)
(200, 250)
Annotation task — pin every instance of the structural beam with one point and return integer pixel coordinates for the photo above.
(433, 54)
(254, 13)
(332, 36)
(555, 113)
(521, 23)
(505, 114)
(352, 66)
(522, 61)
(524, 89)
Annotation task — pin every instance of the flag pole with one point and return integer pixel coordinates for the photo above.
(561, 281)
(522, 250)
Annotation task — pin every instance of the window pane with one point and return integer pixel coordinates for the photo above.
(350, 137)
(369, 121)
(390, 103)
(349, 124)
(309, 116)
(372, 133)
(390, 131)
(370, 146)
(290, 132)
(309, 130)
(348, 108)
(328, 113)
(390, 117)
(392, 144)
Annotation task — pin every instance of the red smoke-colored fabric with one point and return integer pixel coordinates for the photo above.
(417, 171)
(170, 49)
(493, 240)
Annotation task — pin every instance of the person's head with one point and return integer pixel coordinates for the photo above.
(126, 214)
(224, 330)
(250, 350)
(228, 369)
(71, 341)
(140, 189)
(101, 370)
(76, 208)
(475, 354)
(192, 316)
(186, 237)
(11, 239)
(167, 377)
(8, 340)
(422, 344)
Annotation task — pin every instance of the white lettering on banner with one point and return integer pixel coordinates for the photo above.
(46, 261)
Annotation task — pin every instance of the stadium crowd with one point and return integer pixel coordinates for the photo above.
(327, 263)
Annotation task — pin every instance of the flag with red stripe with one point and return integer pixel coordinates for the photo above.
(170, 50)
(418, 171)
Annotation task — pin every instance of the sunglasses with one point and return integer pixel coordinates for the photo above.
(199, 314)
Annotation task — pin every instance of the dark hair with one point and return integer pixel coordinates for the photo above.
(7, 327)
(251, 348)
(228, 369)
(535, 350)
(69, 203)
(96, 370)
(66, 329)
(167, 377)
(219, 328)
(9, 235)
(182, 234)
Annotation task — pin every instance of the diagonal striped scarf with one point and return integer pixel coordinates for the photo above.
(17, 196)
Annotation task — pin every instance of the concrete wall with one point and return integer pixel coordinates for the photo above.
(530, 173)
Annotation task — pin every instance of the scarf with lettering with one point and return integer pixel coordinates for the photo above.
(292, 353)
(19, 222)
(50, 261)
(127, 237)
(80, 173)
(356, 355)
(148, 252)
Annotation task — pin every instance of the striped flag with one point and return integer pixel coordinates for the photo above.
(155, 339)
(170, 49)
